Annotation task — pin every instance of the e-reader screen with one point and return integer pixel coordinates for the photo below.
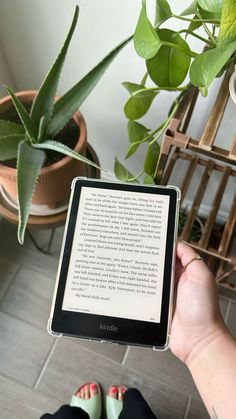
(118, 253)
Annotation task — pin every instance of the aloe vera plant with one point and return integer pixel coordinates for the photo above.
(169, 62)
(29, 141)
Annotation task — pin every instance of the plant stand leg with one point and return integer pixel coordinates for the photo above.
(46, 250)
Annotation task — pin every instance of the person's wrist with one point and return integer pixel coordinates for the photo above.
(215, 336)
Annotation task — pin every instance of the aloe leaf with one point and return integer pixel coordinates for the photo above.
(24, 116)
(207, 65)
(162, 67)
(42, 128)
(9, 146)
(213, 6)
(63, 149)
(121, 172)
(29, 163)
(138, 104)
(227, 32)
(8, 127)
(151, 158)
(163, 12)
(146, 40)
(44, 101)
(71, 101)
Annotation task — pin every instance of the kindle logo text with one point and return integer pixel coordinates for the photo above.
(108, 327)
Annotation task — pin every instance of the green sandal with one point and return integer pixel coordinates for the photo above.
(92, 406)
(113, 406)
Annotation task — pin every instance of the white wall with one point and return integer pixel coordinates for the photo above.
(32, 32)
(5, 72)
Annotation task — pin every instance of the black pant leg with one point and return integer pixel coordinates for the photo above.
(67, 412)
(135, 407)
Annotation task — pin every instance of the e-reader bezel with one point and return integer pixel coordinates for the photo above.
(119, 330)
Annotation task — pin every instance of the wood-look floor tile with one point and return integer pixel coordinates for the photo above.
(197, 410)
(110, 351)
(23, 349)
(45, 264)
(223, 305)
(162, 366)
(70, 366)
(29, 297)
(19, 402)
(8, 271)
(231, 320)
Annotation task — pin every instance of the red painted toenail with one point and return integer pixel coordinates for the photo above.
(93, 386)
(113, 389)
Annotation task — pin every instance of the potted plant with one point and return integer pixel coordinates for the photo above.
(39, 131)
(169, 63)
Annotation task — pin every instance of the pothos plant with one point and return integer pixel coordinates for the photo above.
(169, 62)
(29, 141)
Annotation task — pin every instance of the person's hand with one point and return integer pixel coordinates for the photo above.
(197, 320)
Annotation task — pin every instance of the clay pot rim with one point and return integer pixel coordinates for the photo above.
(78, 118)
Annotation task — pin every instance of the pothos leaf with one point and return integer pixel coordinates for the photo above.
(152, 155)
(136, 131)
(207, 65)
(227, 32)
(139, 103)
(168, 68)
(163, 12)
(146, 40)
(121, 172)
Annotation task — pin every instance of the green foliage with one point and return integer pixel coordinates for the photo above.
(163, 12)
(228, 23)
(146, 40)
(170, 65)
(28, 142)
(170, 61)
(207, 65)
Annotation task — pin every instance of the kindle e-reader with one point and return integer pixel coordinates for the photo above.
(115, 275)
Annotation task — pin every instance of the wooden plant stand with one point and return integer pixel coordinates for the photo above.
(178, 146)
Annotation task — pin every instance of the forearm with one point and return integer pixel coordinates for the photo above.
(213, 369)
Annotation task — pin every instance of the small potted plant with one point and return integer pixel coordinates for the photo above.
(26, 142)
(169, 63)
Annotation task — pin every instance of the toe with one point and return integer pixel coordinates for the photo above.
(93, 389)
(86, 392)
(82, 395)
(120, 393)
(113, 392)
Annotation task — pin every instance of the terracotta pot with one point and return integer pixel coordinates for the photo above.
(53, 185)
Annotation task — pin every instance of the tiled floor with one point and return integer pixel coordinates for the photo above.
(38, 373)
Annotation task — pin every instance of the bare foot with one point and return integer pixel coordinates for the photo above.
(87, 391)
(117, 392)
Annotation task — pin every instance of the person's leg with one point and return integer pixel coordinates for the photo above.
(67, 412)
(134, 406)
